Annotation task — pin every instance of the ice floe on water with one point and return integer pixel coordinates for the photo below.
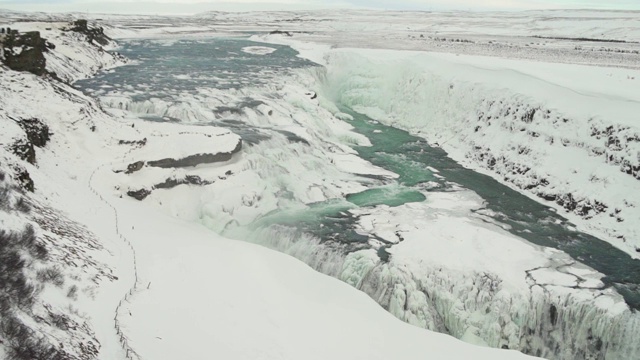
(258, 50)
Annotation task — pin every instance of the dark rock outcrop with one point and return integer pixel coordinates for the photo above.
(169, 184)
(136, 166)
(23, 149)
(139, 194)
(94, 34)
(37, 132)
(138, 143)
(25, 52)
(24, 179)
(280, 32)
(187, 180)
(195, 160)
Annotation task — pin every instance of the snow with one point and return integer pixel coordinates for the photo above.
(243, 301)
(351, 163)
(200, 295)
(222, 297)
(258, 50)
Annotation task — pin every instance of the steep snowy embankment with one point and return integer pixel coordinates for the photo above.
(63, 258)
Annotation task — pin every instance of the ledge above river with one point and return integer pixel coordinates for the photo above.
(171, 146)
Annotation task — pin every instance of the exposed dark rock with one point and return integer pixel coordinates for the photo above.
(24, 179)
(23, 149)
(139, 194)
(136, 166)
(25, 52)
(548, 197)
(169, 184)
(280, 32)
(138, 143)
(527, 117)
(195, 160)
(188, 180)
(37, 132)
(553, 314)
(93, 33)
(293, 137)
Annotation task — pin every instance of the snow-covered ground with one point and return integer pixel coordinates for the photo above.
(191, 293)
(509, 100)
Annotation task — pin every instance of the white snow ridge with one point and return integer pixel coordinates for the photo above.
(320, 185)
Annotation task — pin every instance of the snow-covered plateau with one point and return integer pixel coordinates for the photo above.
(471, 178)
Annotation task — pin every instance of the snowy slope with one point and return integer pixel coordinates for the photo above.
(68, 316)
(203, 296)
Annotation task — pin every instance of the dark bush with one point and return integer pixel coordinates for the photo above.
(23, 344)
(16, 292)
(22, 206)
(13, 282)
(60, 321)
(5, 204)
(51, 275)
(73, 292)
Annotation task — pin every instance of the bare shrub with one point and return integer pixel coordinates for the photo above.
(51, 275)
(5, 201)
(22, 205)
(73, 292)
(61, 321)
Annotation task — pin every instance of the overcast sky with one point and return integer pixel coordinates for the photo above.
(195, 6)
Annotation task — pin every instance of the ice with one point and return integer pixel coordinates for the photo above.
(258, 50)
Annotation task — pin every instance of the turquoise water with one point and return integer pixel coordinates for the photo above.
(410, 156)
(169, 70)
